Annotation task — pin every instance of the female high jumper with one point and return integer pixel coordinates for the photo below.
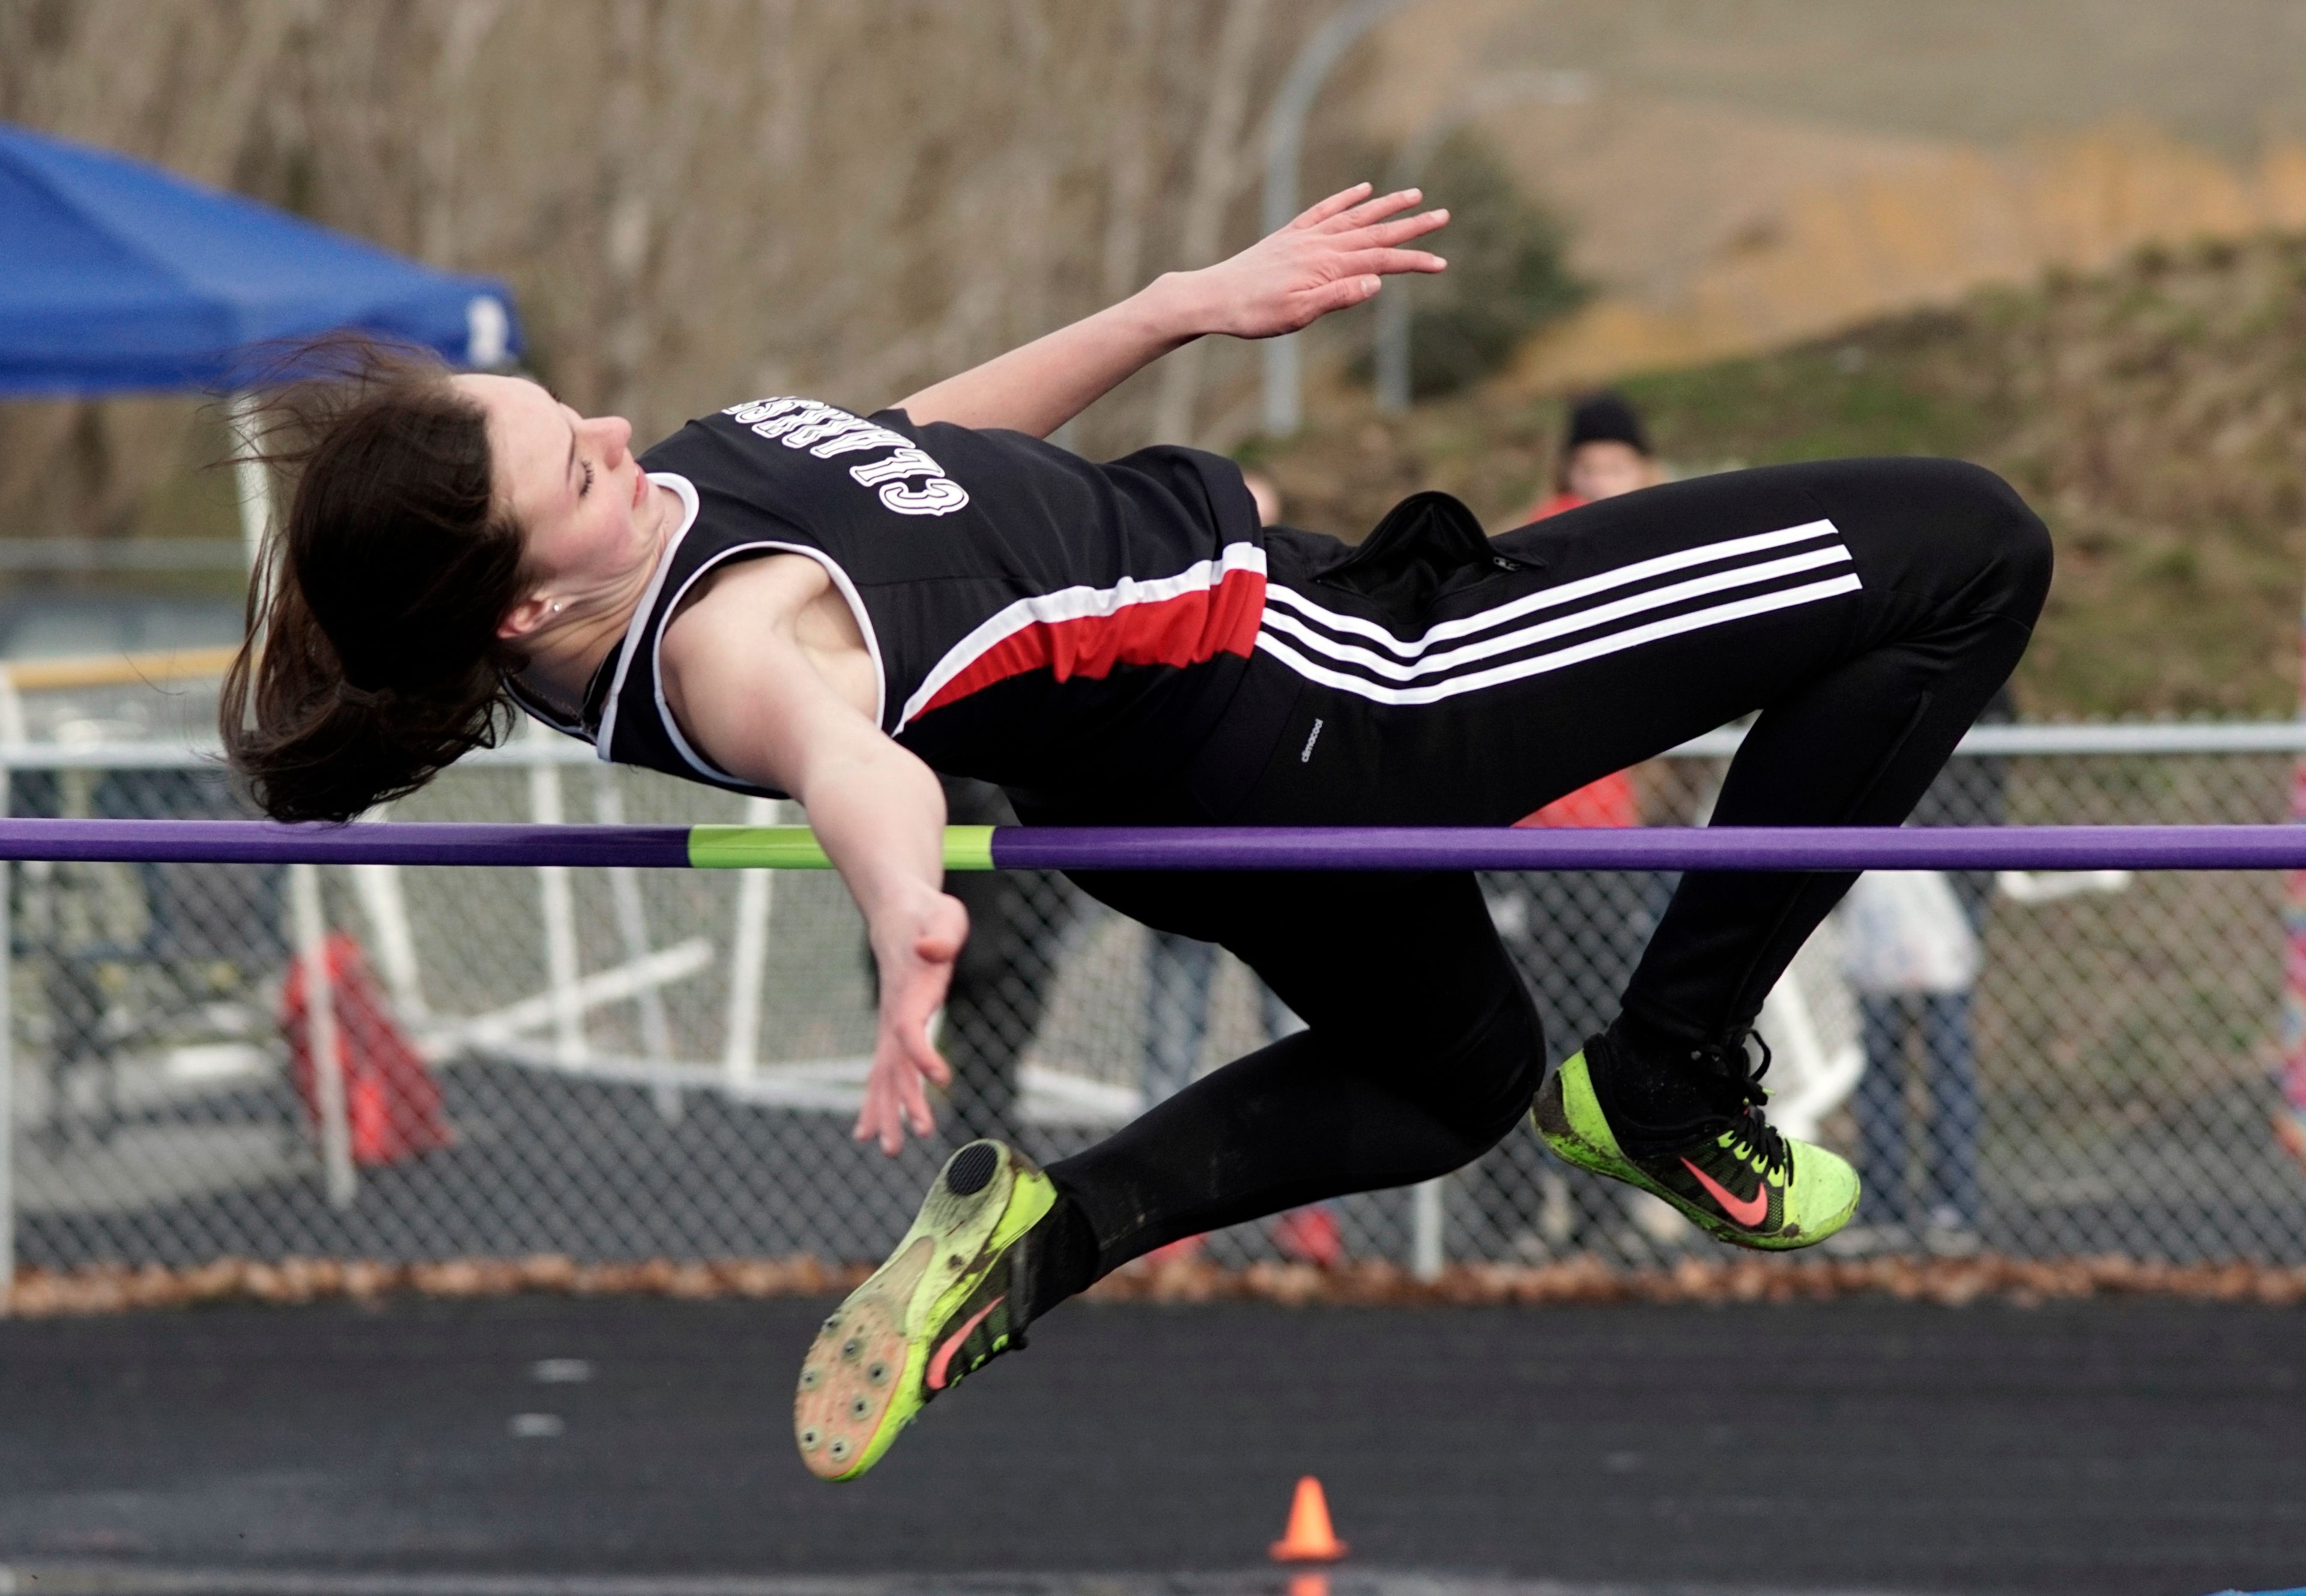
(791, 598)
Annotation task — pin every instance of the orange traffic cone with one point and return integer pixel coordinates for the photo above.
(1309, 1538)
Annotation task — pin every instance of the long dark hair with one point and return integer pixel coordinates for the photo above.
(371, 659)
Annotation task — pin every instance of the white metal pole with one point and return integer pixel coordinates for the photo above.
(632, 928)
(386, 906)
(1425, 1220)
(253, 480)
(1284, 143)
(741, 1048)
(320, 1035)
(7, 1055)
(559, 903)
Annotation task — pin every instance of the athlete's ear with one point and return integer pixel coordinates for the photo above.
(526, 618)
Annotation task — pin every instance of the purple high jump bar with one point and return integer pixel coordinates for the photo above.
(263, 843)
(1189, 848)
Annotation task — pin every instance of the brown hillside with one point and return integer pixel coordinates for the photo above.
(2155, 415)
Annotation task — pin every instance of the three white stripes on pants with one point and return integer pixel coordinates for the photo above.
(1421, 671)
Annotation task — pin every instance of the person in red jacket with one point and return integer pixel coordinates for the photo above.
(1605, 452)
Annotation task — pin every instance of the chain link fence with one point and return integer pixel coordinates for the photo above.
(616, 1065)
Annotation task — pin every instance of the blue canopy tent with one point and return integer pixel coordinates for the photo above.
(117, 277)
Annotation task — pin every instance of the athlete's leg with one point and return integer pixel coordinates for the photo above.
(1957, 568)
(1421, 1050)
(1865, 610)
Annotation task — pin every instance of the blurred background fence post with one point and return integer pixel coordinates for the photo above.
(323, 1041)
(252, 480)
(1284, 142)
(748, 959)
(1396, 306)
(11, 732)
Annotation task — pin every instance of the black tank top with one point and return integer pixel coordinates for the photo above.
(1033, 618)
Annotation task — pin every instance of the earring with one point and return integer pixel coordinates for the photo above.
(558, 605)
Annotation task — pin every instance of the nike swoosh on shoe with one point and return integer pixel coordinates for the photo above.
(1748, 1213)
(935, 1379)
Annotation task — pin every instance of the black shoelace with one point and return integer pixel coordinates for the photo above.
(1748, 1125)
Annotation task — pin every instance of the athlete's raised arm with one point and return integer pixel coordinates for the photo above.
(754, 700)
(1334, 255)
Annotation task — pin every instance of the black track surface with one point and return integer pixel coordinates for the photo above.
(2150, 1447)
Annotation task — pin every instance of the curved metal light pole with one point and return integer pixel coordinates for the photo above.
(1285, 142)
(1491, 94)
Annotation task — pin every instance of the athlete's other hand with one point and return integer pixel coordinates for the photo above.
(915, 952)
(1332, 256)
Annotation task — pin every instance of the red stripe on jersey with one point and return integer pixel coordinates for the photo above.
(1189, 630)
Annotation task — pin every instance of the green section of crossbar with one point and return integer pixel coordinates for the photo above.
(796, 847)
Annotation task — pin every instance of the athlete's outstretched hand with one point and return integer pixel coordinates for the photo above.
(916, 957)
(1332, 256)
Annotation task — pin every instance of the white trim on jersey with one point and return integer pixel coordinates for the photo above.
(1076, 603)
(657, 649)
(1355, 668)
(686, 491)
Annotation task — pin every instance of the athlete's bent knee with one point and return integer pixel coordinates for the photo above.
(1998, 534)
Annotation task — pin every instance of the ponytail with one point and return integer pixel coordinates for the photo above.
(371, 658)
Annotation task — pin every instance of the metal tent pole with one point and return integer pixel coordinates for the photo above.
(251, 480)
(7, 1032)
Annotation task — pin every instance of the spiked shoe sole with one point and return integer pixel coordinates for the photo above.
(864, 1378)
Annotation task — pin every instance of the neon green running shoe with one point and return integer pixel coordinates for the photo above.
(942, 1307)
(1734, 1175)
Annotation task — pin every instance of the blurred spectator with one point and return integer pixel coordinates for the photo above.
(1604, 452)
(1926, 1171)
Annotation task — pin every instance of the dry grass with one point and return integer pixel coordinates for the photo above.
(1582, 1280)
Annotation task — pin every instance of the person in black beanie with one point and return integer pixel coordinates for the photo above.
(1604, 452)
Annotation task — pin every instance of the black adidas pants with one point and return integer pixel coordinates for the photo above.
(1867, 608)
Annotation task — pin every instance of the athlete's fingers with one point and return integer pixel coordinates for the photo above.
(882, 1117)
(1385, 235)
(922, 1054)
(873, 1121)
(915, 1100)
(1391, 262)
(1377, 209)
(892, 1118)
(870, 1121)
(1314, 215)
(925, 991)
(1338, 296)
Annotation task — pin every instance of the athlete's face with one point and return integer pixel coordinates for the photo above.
(588, 517)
